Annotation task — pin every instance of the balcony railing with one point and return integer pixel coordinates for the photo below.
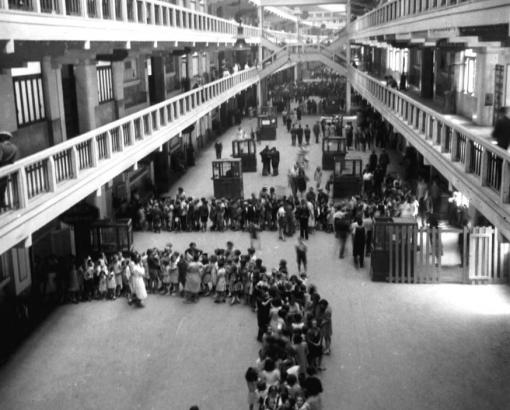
(46, 171)
(150, 12)
(400, 9)
(473, 149)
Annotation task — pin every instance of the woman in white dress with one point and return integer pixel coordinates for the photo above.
(138, 284)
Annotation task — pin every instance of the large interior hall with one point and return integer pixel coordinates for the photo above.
(260, 205)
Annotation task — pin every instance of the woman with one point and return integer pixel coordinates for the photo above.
(251, 376)
(324, 319)
(137, 282)
(317, 177)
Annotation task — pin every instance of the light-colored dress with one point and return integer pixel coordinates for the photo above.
(221, 284)
(193, 277)
(138, 273)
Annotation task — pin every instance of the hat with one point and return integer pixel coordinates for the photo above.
(4, 135)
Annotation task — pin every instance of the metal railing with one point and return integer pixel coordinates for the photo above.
(45, 171)
(150, 12)
(476, 151)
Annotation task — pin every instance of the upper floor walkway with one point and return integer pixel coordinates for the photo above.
(429, 20)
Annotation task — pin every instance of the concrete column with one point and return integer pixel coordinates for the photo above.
(53, 100)
(158, 75)
(102, 200)
(7, 104)
(86, 94)
(486, 59)
(261, 28)
(118, 87)
(348, 58)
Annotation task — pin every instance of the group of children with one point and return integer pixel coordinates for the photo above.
(295, 329)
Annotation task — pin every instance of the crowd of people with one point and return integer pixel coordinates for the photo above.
(295, 328)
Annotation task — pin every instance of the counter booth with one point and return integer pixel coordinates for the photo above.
(227, 176)
(246, 151)
(332, 147)
(347, 177)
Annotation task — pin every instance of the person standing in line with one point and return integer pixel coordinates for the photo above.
(316, 131)
(280, 218)
(293, 135)
(358, 242)
(301, 250)
(307, 135)
(317, 177)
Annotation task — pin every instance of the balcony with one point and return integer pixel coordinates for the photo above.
(463, 152)
(42, 186)
(431, 19)
(114, 20)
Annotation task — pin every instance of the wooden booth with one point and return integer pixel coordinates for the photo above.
(332, 147)
(394, 249)
(227, 176)
(347, 177)
(267, 123)
(111, 236)
(246, 150)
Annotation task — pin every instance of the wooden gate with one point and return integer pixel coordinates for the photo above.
(445, 255)
(488, 258)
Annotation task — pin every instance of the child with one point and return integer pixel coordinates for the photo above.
(165, 290)
(221, 282)
(251, 377)
(112, 284)
(174, 273)
(103, 286)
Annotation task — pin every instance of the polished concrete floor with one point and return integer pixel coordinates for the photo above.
(394, 346)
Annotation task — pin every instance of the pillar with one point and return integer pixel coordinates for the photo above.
(158, 77)
(427, 73)
(86, 94)
(348, 59)
(102, 200)
(53, 100)
(118, 87)
(261, 28)
(486, 60)
(7, 105)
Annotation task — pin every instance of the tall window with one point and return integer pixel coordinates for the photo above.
(468, 71)
(194, 65)
(28, 94)
(104, 81)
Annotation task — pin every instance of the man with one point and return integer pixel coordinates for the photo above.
(275, 160)
(302, 215)
(342, 227)
(8, 154)
(316, 131)
(307, 135)
(265, 157)
(280, 217)
(502, 129)
(218, 147)
(293, 134)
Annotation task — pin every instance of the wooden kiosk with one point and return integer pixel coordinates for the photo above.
(111, 236)
(227, 176)
(332, 147)
(267, 123)
(394, 249)
(246, 150)
(347, 177)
